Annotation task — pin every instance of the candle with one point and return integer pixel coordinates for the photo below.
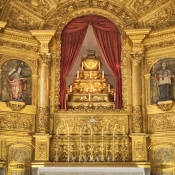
(70, 88)
(114, 96)
(108, 87)
(102, 131)
(81, 66)
(99, 66)
(66, 97)
(89, 96)
(102, 74)
(78, 74)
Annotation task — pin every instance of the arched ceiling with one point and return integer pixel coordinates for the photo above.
(28, 15)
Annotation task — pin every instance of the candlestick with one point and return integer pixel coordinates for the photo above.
(108, 87)
(70, 88)
(102, 74)
(90, 74)
(81, 66)
(90, 87)
(89, 96)
(78, 74)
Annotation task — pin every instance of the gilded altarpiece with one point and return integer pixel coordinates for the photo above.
(99, 138)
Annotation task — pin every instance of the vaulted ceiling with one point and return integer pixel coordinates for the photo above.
(28, 15)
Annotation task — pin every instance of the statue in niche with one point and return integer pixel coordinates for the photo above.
(17, 84)
(163, 77)
(162, 81)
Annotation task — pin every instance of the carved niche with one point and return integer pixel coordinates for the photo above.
(154, 81)
(23, 87)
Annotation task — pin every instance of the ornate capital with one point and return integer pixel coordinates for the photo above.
(137, 121)
(137, 36)
(43, 120)
(136, 58)
(44, 58)
(44, 37)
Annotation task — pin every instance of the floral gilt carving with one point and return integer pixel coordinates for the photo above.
(137, 122)
(161, 122)
(19, 20)
(17, 122)
(165, 106)
(43, 120)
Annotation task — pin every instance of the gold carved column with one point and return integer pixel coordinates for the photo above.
(139, 149)
(42, 137)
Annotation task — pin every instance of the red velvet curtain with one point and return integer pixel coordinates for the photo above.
(109, 40)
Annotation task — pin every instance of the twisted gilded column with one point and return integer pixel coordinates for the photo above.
(139, 148)
(42, 137)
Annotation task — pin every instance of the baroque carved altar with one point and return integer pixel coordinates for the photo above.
(35, 133)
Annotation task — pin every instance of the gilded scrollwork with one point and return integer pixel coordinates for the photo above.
(137, 120)
(41, 8)
(19, 20)
(163, 155)
(43, 120)
(17, 122)
(106, 122)
(20, 158)
(139, 151)
(16, 106)
(162, 18)
(165, 106)
(161, 122)
(17, 45)
(20, 154)
(42, 150)
(100, 4)
(142, 6)
(82, 3)
(159, 45)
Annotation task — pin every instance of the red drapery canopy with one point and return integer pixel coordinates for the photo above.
(109, 40)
